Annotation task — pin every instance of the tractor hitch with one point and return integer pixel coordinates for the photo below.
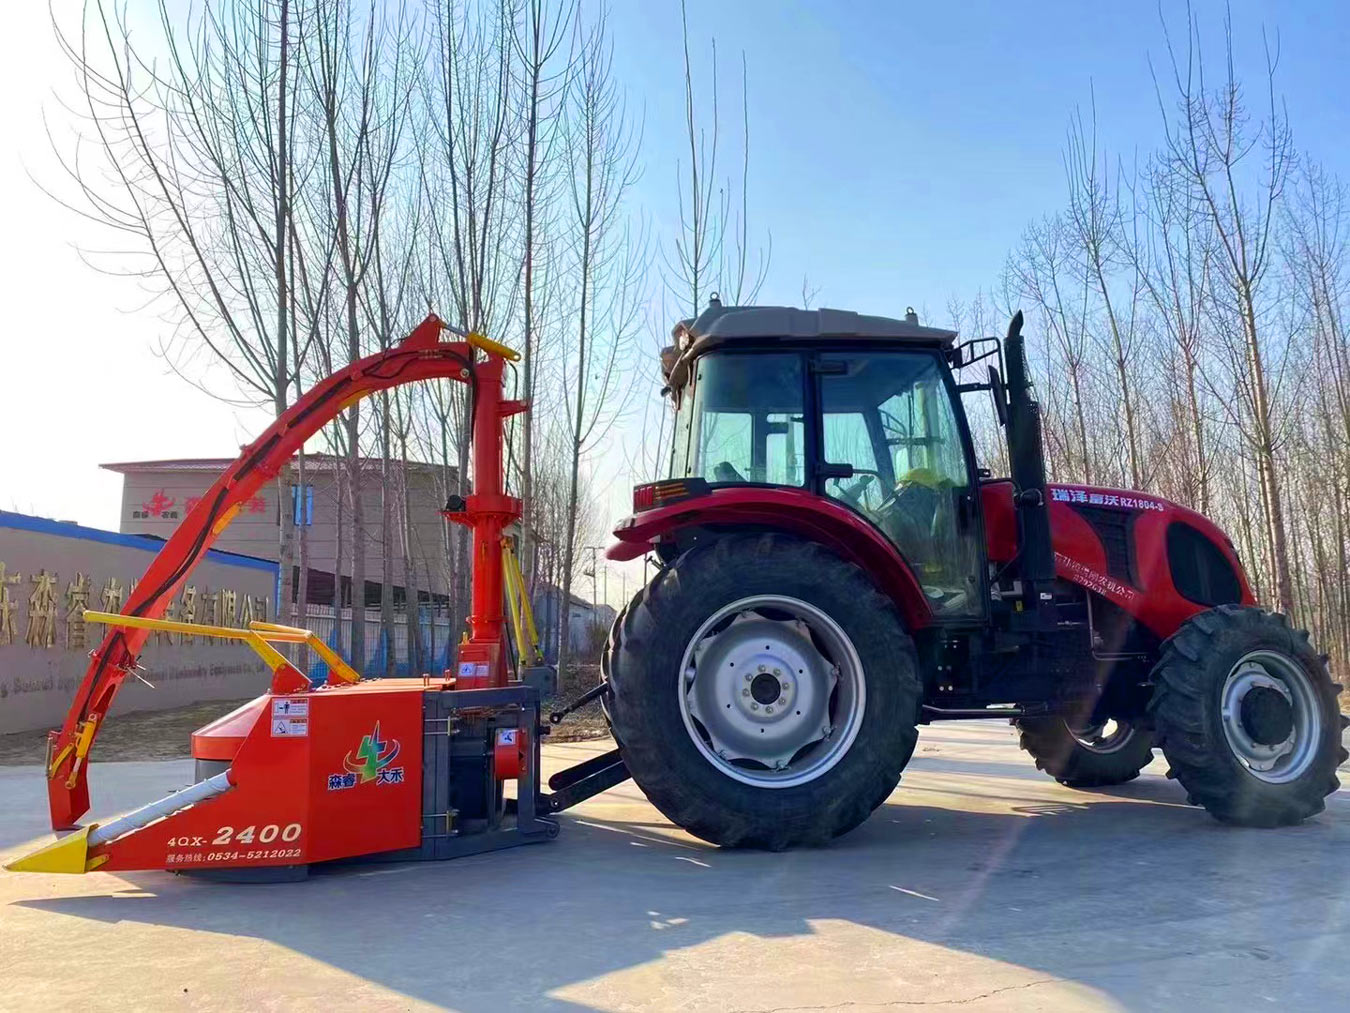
(591, 695)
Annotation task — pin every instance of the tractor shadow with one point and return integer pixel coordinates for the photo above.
(1132, 894)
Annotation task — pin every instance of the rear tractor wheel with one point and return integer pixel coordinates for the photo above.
(764, 693)
(1090, 756)
(1247, 716)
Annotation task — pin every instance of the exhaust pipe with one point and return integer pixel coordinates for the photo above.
(1026, 459)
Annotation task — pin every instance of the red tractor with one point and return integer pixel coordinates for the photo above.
(837, 569)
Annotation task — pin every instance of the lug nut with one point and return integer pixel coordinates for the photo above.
(745, 692)
(754, 706)
(763, 668)
(768, 709)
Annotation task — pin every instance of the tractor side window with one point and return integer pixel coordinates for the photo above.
(890, 417)
(746, 422)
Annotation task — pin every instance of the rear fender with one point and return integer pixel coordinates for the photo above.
(793, 511)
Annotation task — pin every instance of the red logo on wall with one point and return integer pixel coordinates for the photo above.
(160, 506)
(159, 503)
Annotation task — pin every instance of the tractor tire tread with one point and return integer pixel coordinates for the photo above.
(1186, 686)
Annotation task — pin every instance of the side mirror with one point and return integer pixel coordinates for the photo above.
(1000, 394)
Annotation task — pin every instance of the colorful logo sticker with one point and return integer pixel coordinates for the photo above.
(371, 763)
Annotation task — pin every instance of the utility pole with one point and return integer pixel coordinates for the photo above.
(595, 576)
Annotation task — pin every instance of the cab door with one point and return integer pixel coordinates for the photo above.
(895, 449)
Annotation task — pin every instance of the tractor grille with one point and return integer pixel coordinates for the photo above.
(1114, 529)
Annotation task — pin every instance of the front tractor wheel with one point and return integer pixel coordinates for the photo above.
(764, 694)
(1247, 716)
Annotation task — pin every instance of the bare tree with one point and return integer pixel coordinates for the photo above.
(466, 175)
(702, 261)
(1042, 271)
(1172, 259)
(538, 40)
(610, 259)
(1207, 143)
(193, 164)
(358, 72)
(1095, 222)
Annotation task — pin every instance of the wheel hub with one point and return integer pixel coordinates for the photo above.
(1110, 736)
(1267, 716)
(766, 688)
(761, 691)
(1270, 716)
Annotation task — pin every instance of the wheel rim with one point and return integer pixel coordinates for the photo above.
(1271, 716)
(1110, 736)
(771, 691)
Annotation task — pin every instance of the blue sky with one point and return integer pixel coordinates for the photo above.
(899, 149)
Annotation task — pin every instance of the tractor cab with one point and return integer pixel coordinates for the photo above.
(859, 409)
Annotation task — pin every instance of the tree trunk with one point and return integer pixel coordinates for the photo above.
(358, 530)
(1197, 434)
(286, 552)
(417, 661)
(1267, 465)
(527, 363)
(302, 561)
(339, 530)
(387, 543)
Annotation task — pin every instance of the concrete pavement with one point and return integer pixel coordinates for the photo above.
(980, 883)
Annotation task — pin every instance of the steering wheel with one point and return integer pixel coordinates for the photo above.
(893, 497)
(896, 503)
(852, 494)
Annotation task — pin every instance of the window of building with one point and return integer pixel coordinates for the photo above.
(302, 505)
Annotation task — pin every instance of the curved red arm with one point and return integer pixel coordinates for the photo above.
(420, 356)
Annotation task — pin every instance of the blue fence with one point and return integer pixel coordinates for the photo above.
(435, 632)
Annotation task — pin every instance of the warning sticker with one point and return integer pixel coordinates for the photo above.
(506, 736)
(466, 669)
(290, 726)
(288, 707)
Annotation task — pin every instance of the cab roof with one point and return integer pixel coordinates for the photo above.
(718, 325)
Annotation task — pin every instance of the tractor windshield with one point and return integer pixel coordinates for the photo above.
(743, 420)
